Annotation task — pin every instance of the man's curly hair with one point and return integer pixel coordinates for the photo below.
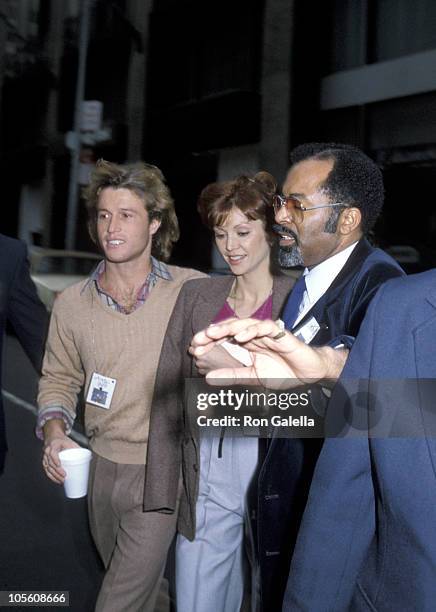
(354, 179)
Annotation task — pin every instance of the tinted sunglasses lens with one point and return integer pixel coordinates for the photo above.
(294, 208)
(292, 205)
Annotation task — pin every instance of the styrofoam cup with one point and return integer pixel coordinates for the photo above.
(75, 462)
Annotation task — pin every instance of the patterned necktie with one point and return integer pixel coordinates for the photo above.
(291, 310)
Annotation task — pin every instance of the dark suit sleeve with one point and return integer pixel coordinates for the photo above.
(338, 522)
(26, 312)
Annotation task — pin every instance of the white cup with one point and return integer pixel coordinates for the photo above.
(75, 462)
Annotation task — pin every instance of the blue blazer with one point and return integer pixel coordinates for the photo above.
(368, 536)
(285, 477)
(21, 307)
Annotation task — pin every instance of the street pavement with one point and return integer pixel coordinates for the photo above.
(45, 543)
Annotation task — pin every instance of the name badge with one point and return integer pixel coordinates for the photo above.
(101, 390)
(308, 332)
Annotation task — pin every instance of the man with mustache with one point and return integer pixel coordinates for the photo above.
(366, 540)
(332, 196)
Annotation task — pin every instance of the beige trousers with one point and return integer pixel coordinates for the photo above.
(132, 544)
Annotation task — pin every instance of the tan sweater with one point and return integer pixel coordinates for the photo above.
(87, 336)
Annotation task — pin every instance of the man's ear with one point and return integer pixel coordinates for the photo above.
(350, 220)
(154, 226)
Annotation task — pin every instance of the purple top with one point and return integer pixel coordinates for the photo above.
(263, 312)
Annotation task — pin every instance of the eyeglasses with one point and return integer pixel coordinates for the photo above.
(295, 208)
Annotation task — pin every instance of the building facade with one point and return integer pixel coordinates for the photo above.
(209, 90)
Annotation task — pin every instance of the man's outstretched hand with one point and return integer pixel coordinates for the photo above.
(279, 359)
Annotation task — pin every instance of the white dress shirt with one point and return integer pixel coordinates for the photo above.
(319, 279)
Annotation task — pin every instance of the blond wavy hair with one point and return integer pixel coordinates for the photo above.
(148, 183)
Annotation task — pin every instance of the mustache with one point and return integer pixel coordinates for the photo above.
(281, 229)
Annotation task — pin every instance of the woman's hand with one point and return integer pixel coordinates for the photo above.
(214, 358)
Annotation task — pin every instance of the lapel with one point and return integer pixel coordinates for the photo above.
(214, 291)
(282, 286)
(209, 299)
(424, 339)
(424, 336)
(431, 298)
(336, 289)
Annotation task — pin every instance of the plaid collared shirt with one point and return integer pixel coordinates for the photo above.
(158, 270)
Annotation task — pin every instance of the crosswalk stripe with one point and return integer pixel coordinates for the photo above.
(75, 435)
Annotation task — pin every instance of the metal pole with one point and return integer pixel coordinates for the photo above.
(70, 233)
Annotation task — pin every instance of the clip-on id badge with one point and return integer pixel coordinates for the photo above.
(308, 332)
(101, 390)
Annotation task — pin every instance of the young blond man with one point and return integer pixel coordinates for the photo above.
(105, 336)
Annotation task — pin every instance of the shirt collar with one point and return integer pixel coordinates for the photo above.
(158, 269)
(319, 278)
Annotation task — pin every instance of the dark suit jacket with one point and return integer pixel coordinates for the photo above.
(20, 305)
(368, 536)
(285, 477)
(198, 303)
